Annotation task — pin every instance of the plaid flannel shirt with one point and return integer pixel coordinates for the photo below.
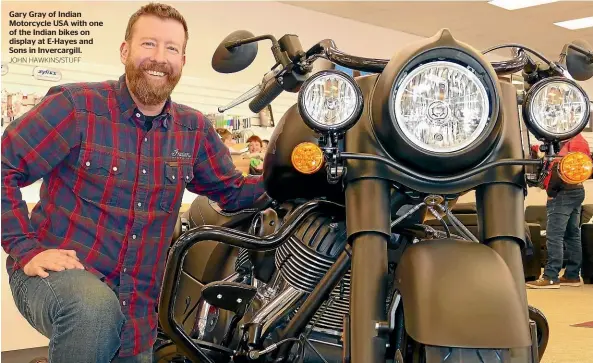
(111, 190)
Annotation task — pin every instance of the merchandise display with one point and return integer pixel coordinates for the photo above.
(300, 183)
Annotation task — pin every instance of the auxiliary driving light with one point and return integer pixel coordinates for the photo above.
(575, 168)
(307, 158)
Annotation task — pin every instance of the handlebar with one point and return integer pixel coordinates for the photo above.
(271, 90)
(519, 61)
(327, 49)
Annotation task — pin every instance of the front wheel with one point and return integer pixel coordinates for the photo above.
(458, 355)
(165, 351)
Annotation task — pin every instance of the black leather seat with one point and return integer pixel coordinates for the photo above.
(204, 211)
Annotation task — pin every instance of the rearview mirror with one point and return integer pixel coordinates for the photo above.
(236, 59)
(579, 65)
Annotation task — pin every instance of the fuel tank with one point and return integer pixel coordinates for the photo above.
(282, 181)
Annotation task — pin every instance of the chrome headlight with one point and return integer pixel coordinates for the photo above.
(330, 101)
(441, 106)
(556, 108)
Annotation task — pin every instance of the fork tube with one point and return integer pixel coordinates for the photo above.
(368, 227)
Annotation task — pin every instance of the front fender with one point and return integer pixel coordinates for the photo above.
(460, 294)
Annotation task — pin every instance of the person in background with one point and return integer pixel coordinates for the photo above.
(226, 137)
(563, 224)
(255, 154)
(265, 144)
(86, 267)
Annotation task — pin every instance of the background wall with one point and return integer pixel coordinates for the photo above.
(200, 86)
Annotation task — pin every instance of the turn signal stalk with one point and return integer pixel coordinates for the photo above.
(575, 168)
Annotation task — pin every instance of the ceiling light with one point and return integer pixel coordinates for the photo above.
(576, 23)
(519, 4)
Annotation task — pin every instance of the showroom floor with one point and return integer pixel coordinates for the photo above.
(563, 308)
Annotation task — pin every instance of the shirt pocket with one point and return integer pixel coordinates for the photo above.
(176, 178)
(102, 176)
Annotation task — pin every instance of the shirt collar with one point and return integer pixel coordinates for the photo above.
(128, 106)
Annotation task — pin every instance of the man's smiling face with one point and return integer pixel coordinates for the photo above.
(154, 58)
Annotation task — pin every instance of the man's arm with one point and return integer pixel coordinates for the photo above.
(216, 177)
(555, 183)
(31, 147)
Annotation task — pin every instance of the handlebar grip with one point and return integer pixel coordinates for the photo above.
(272, 90)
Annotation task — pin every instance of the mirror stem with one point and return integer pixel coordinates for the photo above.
(280, 57)
(581, 50)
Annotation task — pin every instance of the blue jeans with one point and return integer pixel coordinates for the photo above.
(564, 218)
(79, 313)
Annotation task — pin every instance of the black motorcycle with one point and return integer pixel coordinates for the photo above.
(337, 263)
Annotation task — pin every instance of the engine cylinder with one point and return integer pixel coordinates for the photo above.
(307, 256)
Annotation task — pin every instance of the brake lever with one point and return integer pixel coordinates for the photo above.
(250, 93)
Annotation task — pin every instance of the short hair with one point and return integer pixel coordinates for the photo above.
(224, 133)
(162, 11)
(266, 141)
(254, 138)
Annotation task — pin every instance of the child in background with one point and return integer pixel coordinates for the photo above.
(255, 154)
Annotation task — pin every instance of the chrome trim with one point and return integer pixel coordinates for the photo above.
(278, 308)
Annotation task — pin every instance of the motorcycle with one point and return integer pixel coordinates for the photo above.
(336, 263)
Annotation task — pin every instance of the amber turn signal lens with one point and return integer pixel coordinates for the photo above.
(575, 168)
(307, 158)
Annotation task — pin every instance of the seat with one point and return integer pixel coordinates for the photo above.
(204, 211)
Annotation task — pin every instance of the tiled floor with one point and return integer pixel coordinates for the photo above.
(563, 308)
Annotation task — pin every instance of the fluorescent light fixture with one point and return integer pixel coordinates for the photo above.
(519, 4)
(576, 23)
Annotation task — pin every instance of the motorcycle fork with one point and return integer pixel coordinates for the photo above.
(368, 228)
(501, 221)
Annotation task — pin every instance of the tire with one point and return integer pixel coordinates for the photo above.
(543, 330)
(166, 352)
(459, 355)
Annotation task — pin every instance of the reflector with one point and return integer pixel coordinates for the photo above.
(307, 158)
(575, 168)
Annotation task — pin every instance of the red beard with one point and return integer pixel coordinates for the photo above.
(148, 91)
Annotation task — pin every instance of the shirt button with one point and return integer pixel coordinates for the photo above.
(139, 204)
(173, 177)
(115, 168)
(143, 171)
(145, 139)
(137, 115)
(124, 303)
(125, 269)
(133, 236)
(88, 163)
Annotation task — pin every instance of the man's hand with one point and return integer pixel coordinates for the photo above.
(52, 260)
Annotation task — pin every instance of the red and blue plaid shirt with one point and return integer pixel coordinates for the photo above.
(111, 190)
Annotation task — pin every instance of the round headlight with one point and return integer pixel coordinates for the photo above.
(556, 108)
(330, 101)
(441, 107)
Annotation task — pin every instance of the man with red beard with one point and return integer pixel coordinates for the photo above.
(115, 157)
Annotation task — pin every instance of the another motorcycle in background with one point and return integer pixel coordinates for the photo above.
(335, 263)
